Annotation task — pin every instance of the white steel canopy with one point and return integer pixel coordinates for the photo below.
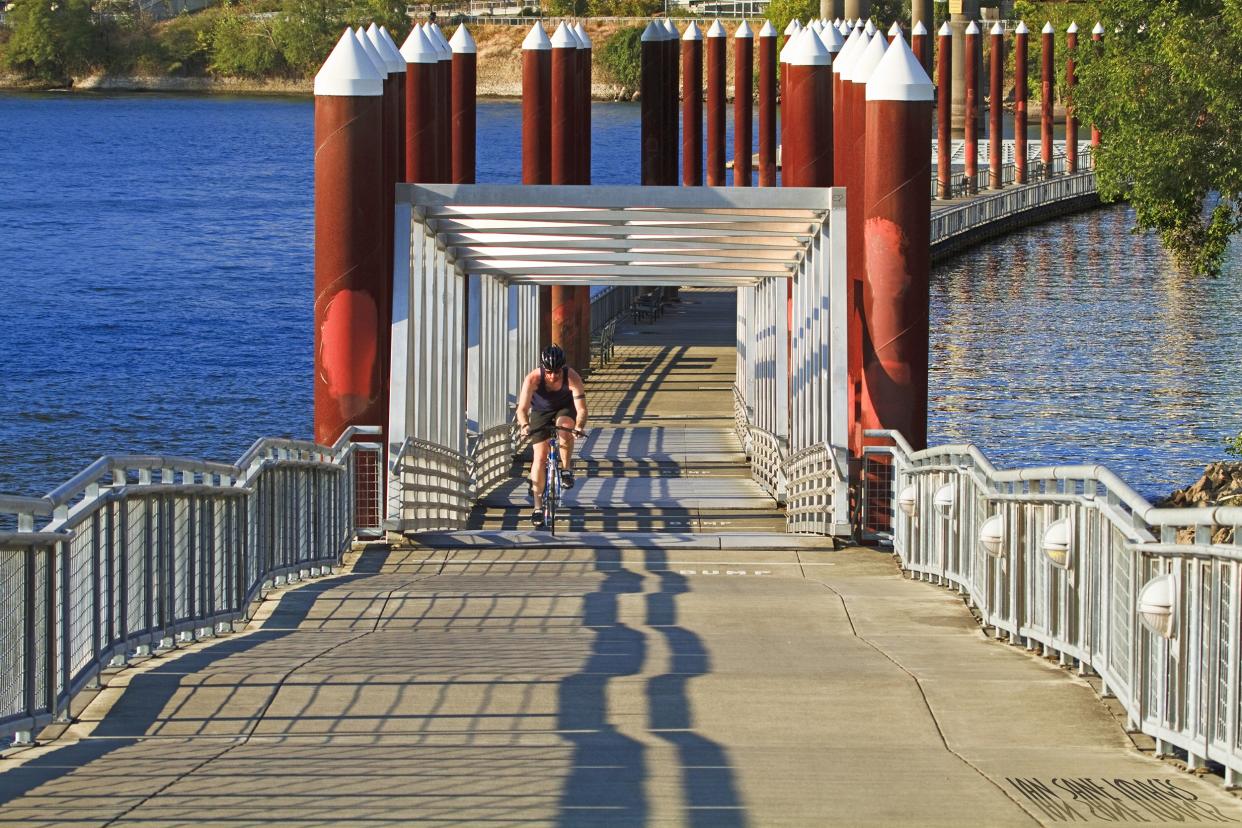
(592, 234)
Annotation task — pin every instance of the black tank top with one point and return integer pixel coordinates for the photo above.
(545, 400)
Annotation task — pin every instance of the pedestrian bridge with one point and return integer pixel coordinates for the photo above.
(673, 659)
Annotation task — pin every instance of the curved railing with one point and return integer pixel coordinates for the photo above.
(1073, 561)
(140, 551)
(950, 222)
(811, 478)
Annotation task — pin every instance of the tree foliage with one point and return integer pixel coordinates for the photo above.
(52, 39)
(620, 56)
(1166, 93)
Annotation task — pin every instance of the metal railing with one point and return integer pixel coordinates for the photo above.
(1071, 560)
(961, 184)
(610, 303)
(811, 477)
(947, 223)
(141, 551)
(430, 488)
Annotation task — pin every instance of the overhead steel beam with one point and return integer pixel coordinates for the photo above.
(594, 195)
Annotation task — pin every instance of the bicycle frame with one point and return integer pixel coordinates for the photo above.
(552, 483)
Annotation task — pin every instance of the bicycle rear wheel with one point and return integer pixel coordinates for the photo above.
(551, 493)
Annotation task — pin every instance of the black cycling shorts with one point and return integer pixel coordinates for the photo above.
(541, 422)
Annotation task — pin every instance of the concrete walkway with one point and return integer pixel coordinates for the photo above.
(602, 687)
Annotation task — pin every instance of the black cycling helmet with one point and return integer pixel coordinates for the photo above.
(552, 358)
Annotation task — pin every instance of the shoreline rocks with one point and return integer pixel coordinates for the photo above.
(1220, 485)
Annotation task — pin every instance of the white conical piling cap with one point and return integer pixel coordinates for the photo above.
(945, 30)
(832, 39)
(894, 29)
(808, 50)
(383, 44)
(1047, 29)
(462, 43)
(1097, 29)
(537, 39)
(998, 30)
(438, 41)
(1073, 28)
(899, 76)
(816, 25)
(845, 28)
(866, 61)
(787, 49)
(841, 63)
(743, 32)
(653, 32)
(693, 32)
(562, 38)
(381, 63)
(583, 37)
(1020, 30)
(972, 29)
(793, 27)
(349, 72)
(417, 48)
(919, 29)
(670, 29)
(716, 29)
(769, 30)
(396, 50)
(861, 25)
(870, 28)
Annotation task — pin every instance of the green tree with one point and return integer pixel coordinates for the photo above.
(51, 40)
(1165, 93)
(620, 56)
(305, 32)
(243, 44)
(780, 12)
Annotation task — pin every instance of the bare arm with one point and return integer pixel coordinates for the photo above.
(579, 392)
(523, 403)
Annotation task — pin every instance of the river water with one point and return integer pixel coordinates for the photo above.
(155, 275)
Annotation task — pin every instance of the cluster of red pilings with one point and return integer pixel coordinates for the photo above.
(857, 113)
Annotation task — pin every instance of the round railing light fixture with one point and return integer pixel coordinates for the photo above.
(1058, 543)
(1157, 605)
(907, 500)
(992, 536)
(944, 500)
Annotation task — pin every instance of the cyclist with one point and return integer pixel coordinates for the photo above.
(552, 394)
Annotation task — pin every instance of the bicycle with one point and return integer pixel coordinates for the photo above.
(552, 479)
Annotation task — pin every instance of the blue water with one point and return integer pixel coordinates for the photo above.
(156, 269)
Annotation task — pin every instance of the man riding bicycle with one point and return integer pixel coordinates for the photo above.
(552, 395)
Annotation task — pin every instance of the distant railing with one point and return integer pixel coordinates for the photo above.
(141, 551)
(961, 185)
(430, 488)
(610, 303)
(953, 221)
(810, 481)
(1072, 561)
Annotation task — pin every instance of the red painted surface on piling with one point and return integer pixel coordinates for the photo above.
(350, 285)
(715, 106)
(808, 152)
(944, 118)
(465, 112)
(650, 112)
(921, 46)
(671, 111)
(692, 113)
(1047, 101)
(564, 89)
(1071, 117)
(536, 116)
(897, 228)
(767, 111)
(971, 116)
(1097, 42)
(419, 122)
(854, 110)
(996, 94)
(743, 111)
(1019, 108)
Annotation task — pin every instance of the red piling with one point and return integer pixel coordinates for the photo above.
(1047, 102)
(536, 136)
(743, 104)
(420, 111)
(842, 126)
(1097, 43)
(893, 31)
(1071, 117)
(692, 106)
(465, 94)
(897, 226)
(971, 117)
(996, 94)
(400, 83)
(767, 105)
(351, 376)
(715, 106)
(670, 100)
(1019, 103)
(649, 103)
(920, 44)
(584, 98)
(944, 113)
(808, 153)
